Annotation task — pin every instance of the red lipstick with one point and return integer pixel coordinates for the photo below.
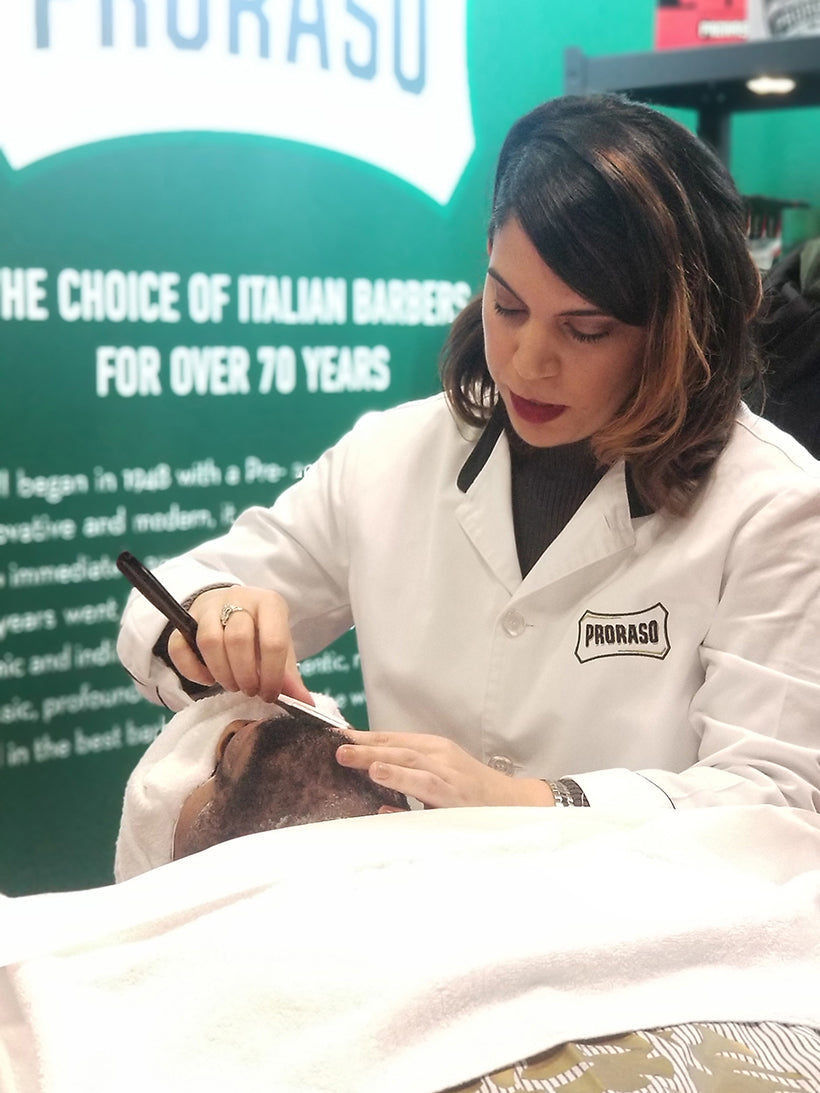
(535, 413)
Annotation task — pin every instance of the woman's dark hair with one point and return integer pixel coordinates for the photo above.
(640, 218)
(291, 777)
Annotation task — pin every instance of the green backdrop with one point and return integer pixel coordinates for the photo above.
(149, 435)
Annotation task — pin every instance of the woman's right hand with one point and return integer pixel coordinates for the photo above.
(252, 652)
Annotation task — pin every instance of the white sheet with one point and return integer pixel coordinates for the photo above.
(409, 952)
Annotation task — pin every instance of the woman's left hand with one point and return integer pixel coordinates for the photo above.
(436, 771)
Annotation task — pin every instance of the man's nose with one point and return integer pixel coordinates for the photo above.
(227, 734)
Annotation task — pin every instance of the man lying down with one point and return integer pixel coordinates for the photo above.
(272, 772)
(410, 951)
(230, 766)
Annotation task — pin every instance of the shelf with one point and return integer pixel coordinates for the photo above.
(708, 79)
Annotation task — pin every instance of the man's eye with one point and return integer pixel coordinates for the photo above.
(223, 744)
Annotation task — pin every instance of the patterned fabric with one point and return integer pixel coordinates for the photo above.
(695, 1058)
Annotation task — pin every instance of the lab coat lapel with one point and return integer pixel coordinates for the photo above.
(601, 527)
(485, 515)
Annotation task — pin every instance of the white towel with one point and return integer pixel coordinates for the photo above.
(410, 952)
(179, 760)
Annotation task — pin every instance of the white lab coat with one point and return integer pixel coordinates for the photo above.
(660, 661)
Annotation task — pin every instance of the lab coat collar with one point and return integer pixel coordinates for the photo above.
(601, 527)
(477, 460)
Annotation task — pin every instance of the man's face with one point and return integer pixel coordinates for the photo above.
(303, 783)
(233, 751)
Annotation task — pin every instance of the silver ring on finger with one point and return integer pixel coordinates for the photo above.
(228, 609)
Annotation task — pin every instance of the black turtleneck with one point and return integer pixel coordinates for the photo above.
(548, 487)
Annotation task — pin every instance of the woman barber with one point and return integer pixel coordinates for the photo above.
(586, 573)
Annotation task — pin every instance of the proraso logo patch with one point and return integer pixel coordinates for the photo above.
(631, 634)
